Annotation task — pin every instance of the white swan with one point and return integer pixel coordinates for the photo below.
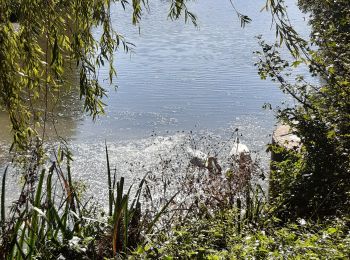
(202, 160)
(239, 149)
(197, 153)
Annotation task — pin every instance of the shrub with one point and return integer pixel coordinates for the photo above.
(317, 182)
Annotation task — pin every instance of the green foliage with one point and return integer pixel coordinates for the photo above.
(317, 181)
(125, 218)
(209, 232)
(217, 237)
(50, 38)
(52, 219)
(46, 223)
(55, 222)
(283, 179)
(41, 215)
(53, 37)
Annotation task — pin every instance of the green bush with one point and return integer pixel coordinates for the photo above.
(316, 182)
(217, 237)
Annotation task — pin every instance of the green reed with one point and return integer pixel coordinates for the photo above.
(45, 218)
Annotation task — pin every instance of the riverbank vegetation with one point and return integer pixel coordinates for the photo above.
(211, 213)
(314, 181)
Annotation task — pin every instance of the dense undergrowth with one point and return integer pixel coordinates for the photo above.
(216, 215)
(314, 181)
(222, 236)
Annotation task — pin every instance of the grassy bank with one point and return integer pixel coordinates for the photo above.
(211, 215)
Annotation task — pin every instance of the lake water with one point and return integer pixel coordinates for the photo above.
(178, 79)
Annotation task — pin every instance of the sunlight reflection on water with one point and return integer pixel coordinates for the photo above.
(180, 78)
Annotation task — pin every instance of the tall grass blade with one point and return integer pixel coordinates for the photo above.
(14, 234)
(110, 188)
(70, 184)
(49, 188)
(154, 221)
(117, 220)
(34, 221)
(61, 224)
(138, 192)
(64, 220)
(39, 189)
(2, 218)
(118, 200)
(126, 222)
(20, 254)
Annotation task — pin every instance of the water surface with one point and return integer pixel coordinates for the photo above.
(178, 78)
